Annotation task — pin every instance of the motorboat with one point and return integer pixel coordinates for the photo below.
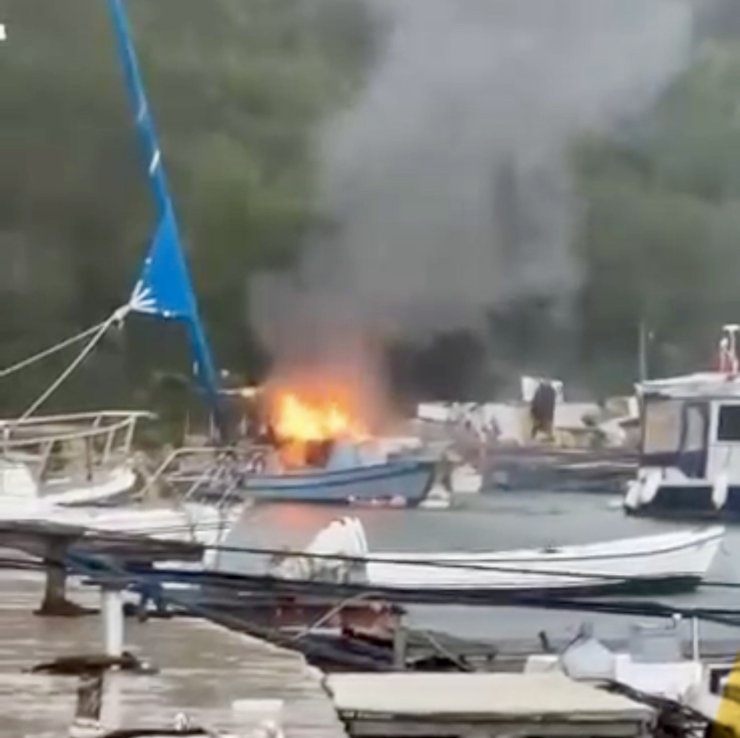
(348, 477)
(397, 483)
(668, 561)
(77, 459)
(652, 664)
(689, 463)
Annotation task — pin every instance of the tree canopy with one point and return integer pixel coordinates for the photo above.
(660, 229)
(238, 90)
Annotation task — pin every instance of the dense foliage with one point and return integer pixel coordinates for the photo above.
(237, 88)
(660, 235)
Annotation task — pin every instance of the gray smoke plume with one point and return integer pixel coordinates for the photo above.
(448, 180)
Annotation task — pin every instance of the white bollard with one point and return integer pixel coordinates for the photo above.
(111, 610)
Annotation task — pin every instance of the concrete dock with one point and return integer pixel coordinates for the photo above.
(203, 670)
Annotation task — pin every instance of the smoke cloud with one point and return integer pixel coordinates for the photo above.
(447, 181)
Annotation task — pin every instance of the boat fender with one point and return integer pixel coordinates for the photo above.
(642, 491)
(632, 498)
(362, 538)
(719, 490)
(587, 658)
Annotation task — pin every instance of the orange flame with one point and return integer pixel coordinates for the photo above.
(298, 419)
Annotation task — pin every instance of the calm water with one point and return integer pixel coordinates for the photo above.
(500, 520)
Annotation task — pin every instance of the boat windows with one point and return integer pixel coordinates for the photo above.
(728, 427)
(662, 429)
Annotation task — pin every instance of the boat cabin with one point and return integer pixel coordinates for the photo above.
(690, 446)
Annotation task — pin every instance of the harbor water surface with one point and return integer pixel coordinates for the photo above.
(495, 521)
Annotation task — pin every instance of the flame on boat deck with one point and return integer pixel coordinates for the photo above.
(307, 424)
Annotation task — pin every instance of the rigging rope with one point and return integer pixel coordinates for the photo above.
(102, 569)
(50, 351)
(116, 317)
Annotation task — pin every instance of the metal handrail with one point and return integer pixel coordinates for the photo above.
(106, 438)
(209, 474)
(75, 434)
(74, 417)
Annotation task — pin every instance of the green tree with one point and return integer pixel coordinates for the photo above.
(238, 91)
(660, 229)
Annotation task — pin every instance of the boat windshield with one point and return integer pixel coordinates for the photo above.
(662, 427)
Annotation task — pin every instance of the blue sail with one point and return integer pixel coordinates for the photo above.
(164, 288)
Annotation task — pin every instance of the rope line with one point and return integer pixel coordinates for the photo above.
(441, 564)
(117, 316)
(50, 351)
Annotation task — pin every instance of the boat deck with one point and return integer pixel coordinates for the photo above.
(560, 469)
(203, 669)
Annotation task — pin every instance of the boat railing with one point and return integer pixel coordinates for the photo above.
(80, 444)
(195, 470)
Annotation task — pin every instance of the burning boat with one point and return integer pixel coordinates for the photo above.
(320, 453)
(316, 454)
(397, 483)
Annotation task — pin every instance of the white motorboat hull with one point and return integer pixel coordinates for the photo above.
(198, 523)
(204, 524)
(19, 488)
(117, 483)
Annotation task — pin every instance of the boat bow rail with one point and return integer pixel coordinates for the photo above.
(56, 449)
(205, 471)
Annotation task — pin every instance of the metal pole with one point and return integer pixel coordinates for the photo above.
(642, 352)
(400, 642)
(111, 611)
(695, 648)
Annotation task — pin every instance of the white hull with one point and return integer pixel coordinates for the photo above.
(662, 557)
(197, 523)
(671, 557)
(19, 488)
(466, 480)
(117, 482)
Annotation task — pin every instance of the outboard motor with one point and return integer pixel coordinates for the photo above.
(542, 409)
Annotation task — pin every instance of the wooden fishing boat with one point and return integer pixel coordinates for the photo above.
(401, 483)
(668, 561)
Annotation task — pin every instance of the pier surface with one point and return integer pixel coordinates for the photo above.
(203, 669)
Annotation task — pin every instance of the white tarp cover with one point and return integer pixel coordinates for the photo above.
(525, 696)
